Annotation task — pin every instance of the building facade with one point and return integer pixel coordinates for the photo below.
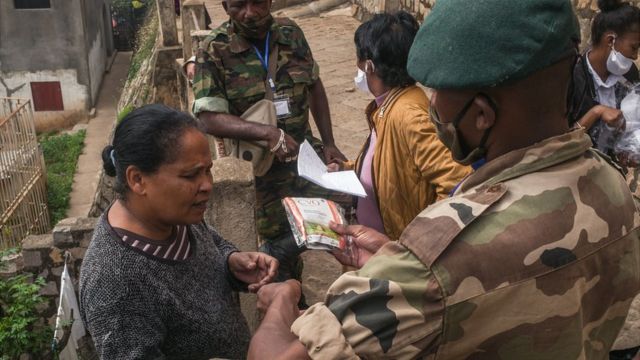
(54, 52)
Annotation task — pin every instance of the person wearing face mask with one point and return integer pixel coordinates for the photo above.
(536, 255)
(603, 74)
(252, 57)
(402, 166)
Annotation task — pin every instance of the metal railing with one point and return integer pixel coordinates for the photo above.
(23, 196)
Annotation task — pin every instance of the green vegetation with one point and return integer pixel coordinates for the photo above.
(19, 331)
(145, 41)
(61, 157)
(124, 112)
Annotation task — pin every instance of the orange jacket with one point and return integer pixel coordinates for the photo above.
(411, 167)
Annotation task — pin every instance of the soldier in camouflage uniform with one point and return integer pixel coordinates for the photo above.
(537, 253)
(232, 66)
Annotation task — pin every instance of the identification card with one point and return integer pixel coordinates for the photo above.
(282, 106)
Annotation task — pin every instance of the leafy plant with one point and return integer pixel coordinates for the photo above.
(61, 157)
(145, 41)
(125, 111)
(19, 331)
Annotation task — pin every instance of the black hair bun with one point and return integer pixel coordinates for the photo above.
(107, 163)
(610, 5)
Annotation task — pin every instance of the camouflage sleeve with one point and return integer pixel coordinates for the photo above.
(391, 308)
(304, 50)
(208, 87)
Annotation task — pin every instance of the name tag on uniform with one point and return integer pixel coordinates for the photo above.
(282, 106)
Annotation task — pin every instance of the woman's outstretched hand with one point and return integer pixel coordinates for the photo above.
(253, 268)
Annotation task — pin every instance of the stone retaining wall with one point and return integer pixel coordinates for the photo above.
(364, 9)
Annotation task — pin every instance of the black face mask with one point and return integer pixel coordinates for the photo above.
(253, 29)
(448, 133)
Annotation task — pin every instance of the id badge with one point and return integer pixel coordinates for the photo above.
(282, 106)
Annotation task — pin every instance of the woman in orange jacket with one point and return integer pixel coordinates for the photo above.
(403, 166)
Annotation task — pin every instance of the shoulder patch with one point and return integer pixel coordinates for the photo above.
(218, 34)
(433, 230)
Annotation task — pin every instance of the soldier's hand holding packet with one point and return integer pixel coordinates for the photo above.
(309, 219)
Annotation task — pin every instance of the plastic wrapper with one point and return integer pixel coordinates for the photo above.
(629, 142)
(309, 219)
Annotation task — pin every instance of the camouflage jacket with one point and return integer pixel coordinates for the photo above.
(536, 256)
(230, 78)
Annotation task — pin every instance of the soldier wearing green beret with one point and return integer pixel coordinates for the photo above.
(537, 253)
(237, 65)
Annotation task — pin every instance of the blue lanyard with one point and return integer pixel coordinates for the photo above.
(264, 60)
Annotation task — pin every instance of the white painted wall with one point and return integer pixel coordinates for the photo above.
(75, 96)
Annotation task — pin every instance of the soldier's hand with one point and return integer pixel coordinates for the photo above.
(333, 154)
(288, 150)
(289, 290)
(364, 243)
(191, 70)
(627, 159)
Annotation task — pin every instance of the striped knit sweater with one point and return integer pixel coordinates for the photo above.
(139, 307)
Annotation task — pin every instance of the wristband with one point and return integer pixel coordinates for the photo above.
(279, 143)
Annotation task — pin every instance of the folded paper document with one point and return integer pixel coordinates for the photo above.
(313, 169)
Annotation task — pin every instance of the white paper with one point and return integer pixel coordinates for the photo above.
(313, 169)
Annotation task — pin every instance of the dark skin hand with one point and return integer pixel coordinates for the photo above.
(253, 268)
(233, 127)
(364, 243)
(273, 339)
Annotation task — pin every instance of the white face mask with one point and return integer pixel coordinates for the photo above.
(361, 78)
(617, 63)
(361, 82)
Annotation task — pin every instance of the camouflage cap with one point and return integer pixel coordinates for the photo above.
(482, 43)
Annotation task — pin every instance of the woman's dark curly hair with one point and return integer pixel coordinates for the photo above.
(386, 40)
(615, 15)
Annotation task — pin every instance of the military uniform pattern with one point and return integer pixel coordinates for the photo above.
(536, 256)
(230, 78)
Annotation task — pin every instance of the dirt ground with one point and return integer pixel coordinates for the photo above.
(331, 39)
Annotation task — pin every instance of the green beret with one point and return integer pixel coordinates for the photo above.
(482, 43)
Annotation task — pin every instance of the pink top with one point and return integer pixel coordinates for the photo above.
(367, 210)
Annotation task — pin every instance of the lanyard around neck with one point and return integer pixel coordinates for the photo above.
(264, 60)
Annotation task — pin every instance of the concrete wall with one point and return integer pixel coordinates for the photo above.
(67, 43)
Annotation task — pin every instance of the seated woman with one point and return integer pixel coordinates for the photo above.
(403, 166)
(156, 281)
(603, 74)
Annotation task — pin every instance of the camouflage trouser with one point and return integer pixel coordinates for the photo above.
(273, 227)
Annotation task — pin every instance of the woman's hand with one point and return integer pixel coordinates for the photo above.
(335, 166)
(253, 268)
(612, 117)
(364, 243)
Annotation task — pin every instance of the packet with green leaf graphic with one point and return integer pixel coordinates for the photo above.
(309, 219)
